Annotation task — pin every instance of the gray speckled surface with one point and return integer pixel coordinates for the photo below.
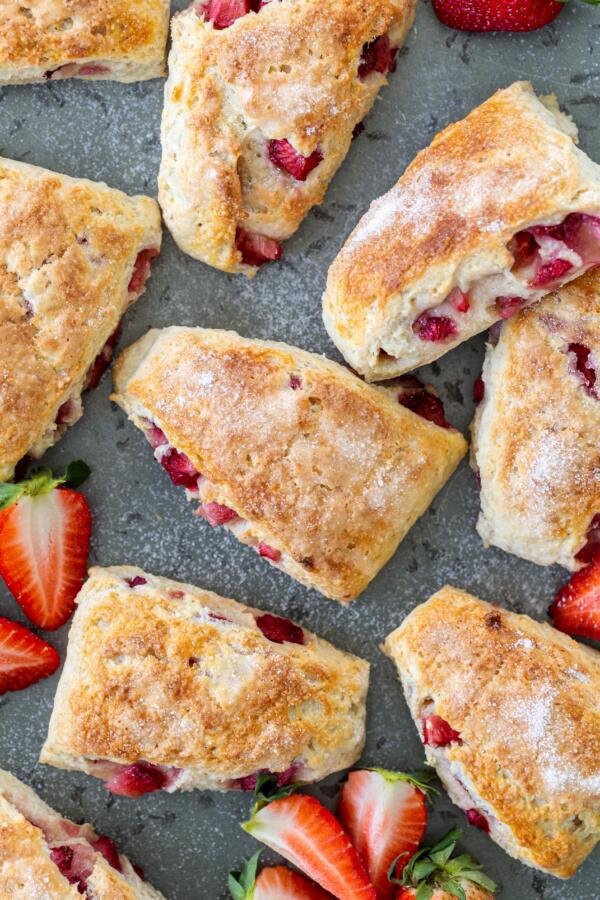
(187, 842)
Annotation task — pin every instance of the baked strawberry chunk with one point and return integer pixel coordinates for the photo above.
(438, 733)
(478, 390)
(138, 779)
(269, 552)
(592, 544)
(156, 436)
(377, 56)
(584, 367)
(295, 382)
(459, 300)
(74, 862)
(434, 328)
(217, 513)
(248, 783)
(283, 155)
(545, 254)
(108, 849)
(508, 306)
(419, 400)
(551, 273)
(180, 469)
(141, 270)
(256, 249)
(280, 630)
(223, 13)
(475, 818)
(136, 581)
(102, 361)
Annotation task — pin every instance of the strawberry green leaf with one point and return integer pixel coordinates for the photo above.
(434, 867)
(42, 481)
(9, 494)
(590, 2)
(424, 892)
(267, 790)
(76, 473)
(421, 780)
(241, 884)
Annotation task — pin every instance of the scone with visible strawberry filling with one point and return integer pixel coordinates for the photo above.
(47, 857)
(74, 254)
(507, 709)
(170, 687)
(261, 103)
(320, 473)
(536, 432)
(499, 210)
(47, 40)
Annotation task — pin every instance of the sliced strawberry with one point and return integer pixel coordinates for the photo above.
(269, 552)
(138, 779)
(280, 630)
(305, 833)
(551, 273)
(24, 657)
(497, 15)
(217, 513)
(256, 249)
(434, 328)
(45, 534)
(180, 468)
(438, 733)
(283, 155)
(576, 609)
(474, 817)
(141, 270)
(279, 883)
(385, 815)
(223, 13)
(377, 56)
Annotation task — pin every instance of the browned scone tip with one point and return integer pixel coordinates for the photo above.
(508, 711)
(325, 472)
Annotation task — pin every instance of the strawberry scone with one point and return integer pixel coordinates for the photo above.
(507, 709)
(320, 473)
(46, 857)
(170, 687)
(536, 432)
(261, 103)
(47, 40)
(74, 255)
(499, 210)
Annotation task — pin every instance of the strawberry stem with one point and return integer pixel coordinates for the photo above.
(421, 779)
(241, 884)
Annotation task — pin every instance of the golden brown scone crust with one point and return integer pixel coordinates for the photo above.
(67, 252)
(39, 36)
(510, 164)
(333, 474)
(524, 698)
(536, 435)
(177, 676)
(289, 72)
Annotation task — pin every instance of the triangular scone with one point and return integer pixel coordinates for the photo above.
(536, 432)
(170, 687)
(319, 472)
(46, 856)
(259, 114)
(43, 40)
(501, 208)
(74, 254)
(508, 711)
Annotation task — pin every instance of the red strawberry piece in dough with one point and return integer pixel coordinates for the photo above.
(248, 782)
(156, 436)
(523, 247)
(584, 367)
(582, 234)
(68, 413)
(280, 630)
(384, 816)
(478, 390)
(496, 15)
(102, 361)
(217, 513)
(592, 543)
(476, 818)
(283, 155)
(223, 13)
(377, 56)
(305, 833)
(24, 657)
(426, 405)
(295, 382)
(280, 883)
(76, 863)
(550, 273)
(180, 469)
(93, 69)
(269, 552)
(138, 779)
(108, 849)
(136, 581)
(508, 306)
(141, 270)
(576, 609)
(256, 249)
(434, 328)
(459, 300)
(438, 733)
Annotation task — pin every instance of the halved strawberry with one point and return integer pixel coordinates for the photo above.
(497, 15)
(24, 657)
(273, 883)
(576, 609)
(283, 155)
(385, 814)
(256, 249)
(305, 833)
(45, 533)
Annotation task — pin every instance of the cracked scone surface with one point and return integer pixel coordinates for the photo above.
(289, 72)
(524, 698)
(326, 469)
(535, 433)
(68, 249)
(126, 37)
(177, 676)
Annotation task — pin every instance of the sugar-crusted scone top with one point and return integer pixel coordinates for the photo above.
(121, 39)
(447, 223)
(536, 434)
(179, 677)
(524, 699)
(68, 249)
(290, 73)
(326, 469)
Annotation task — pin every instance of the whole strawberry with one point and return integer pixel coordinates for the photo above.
(498, 15)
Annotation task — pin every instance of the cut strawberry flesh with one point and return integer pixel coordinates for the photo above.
(280, 630)
(141, 270)
(576, 608)
(478, 390)
(157, 437)
(475, 818)
(377, 56)
(75, 862)
(93, 69)
(523, 247)
(68, 413)
(438, 733)
(542, 251)
(223, 13)
(584, 367)
(108, 849)
(217, 513)
(283, 155)
(295, 382)
(256, 249)
(592, 544)
(426, 405)
(434, 328)
(551, 273)
(102, 361)
(508, 306)
(136, 581)
(269, 552)
(138, 779)
(180, 469)
(459, 300)
(248, 783)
